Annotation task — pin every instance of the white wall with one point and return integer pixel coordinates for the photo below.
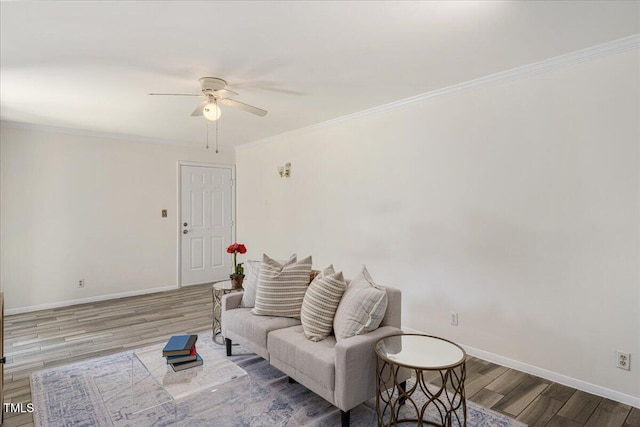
(515, 204)
(75, 206)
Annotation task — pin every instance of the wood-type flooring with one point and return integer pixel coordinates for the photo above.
(60, 336)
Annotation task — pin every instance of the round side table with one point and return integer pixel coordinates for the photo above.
(217, 291)
(421, 353)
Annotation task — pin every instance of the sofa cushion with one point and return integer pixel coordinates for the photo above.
(320, 303)
(362, 307)
(255, 328)
(250, 283)
(315, 360)
(281, 288)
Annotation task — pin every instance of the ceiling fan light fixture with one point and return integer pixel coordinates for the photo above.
(211, 111)
(214, 90)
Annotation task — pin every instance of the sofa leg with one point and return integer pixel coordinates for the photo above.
(403, 388)
(228, 344)
(345, 417)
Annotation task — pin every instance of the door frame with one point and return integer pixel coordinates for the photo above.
(179, 207)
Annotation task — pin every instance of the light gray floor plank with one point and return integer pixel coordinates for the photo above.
(522, 395)
(492, 370)
(609, 414)
(580, 407)
(558, 421)
(541, 411)
(633, 420)
(559, 392)
(475, 383)
(486, 398)
(506, 382)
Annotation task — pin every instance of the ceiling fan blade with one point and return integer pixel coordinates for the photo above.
(176, 94)
(246, 107)
(224, 93)
(199, 109)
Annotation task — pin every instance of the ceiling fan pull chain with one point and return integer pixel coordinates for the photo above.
(217, 136)
(207, 123)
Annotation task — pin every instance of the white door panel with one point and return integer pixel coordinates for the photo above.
(206, 209)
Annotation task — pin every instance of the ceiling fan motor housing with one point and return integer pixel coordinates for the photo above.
(211, 84)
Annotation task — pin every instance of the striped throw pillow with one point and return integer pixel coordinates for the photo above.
(250, 284)
(281, 288)
(320, 304)
(361, 308)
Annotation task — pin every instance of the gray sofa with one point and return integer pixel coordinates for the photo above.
(342, 373)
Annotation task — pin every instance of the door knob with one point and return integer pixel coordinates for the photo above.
(185, 224)
(185, 231)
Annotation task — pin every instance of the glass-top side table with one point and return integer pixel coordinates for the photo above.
(421, 353)
(217, 291)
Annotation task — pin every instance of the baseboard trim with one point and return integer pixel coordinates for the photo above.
(546, 374)
(67, 303)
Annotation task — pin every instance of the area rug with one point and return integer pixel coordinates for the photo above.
(107, 392)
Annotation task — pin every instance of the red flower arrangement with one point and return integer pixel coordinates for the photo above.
(235, 249)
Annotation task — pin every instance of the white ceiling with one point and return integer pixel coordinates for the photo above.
(90, 65)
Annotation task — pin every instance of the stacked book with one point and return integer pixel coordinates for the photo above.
(181, 352)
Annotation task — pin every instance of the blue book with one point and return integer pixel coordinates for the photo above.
(179, 345)
(188, 358)
(186, 365)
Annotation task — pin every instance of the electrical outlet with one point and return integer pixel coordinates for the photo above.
(454, 318)
(623, 360)
(81, 283)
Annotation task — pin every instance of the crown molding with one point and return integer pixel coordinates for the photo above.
(96, 134)
(580, 56)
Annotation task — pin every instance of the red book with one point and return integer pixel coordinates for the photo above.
(187, 358)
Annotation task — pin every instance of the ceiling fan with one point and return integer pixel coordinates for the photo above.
(215, 92)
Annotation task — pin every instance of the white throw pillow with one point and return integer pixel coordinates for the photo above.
(281, 288)
(361, 308)
(320, 303)
(250, 283)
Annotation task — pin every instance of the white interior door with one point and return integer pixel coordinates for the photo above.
(206, 223)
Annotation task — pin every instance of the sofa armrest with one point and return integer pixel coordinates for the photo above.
(231, 301)
(355, 380)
